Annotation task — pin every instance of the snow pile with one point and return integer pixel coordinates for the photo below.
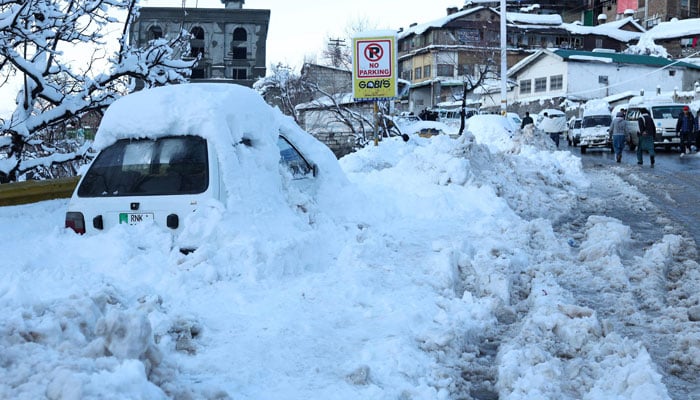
(396, 286)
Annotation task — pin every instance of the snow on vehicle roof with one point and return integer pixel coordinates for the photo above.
(551, 111)
(224, 114)
(638, 100)
(219, 112)
(596, 107)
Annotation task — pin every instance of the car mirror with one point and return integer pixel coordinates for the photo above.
(314, 168)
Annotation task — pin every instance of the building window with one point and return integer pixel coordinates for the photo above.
(155, 32)
(426, 71)
(240, 73)
(526, 86)
(196, 41)
(418, 72)
(599, 43)
(540, 85)
(239, 49)
(445, 70)
(239, 53)
(240, 35)
(556, 82)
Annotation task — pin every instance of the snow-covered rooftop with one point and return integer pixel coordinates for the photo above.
(675, 29)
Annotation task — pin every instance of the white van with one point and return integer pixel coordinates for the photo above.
(167, 152)
(664, 112)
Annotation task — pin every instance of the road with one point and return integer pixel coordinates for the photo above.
(671, 207)
(673, 184)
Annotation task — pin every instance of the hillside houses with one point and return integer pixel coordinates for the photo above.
(438, 56)
(583, 75)
(549, 61)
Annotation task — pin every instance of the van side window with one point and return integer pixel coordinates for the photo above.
(293, 160)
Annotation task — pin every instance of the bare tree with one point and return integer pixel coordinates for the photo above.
(285, 89)
(482, 71)
(34, 38)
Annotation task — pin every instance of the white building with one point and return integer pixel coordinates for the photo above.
(587, 75)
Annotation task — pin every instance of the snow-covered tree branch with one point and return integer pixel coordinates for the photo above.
(40, 41)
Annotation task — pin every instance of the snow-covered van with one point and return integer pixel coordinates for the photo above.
(664, 112)
(167, 153)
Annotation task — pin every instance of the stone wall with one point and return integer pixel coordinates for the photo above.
(340, 143)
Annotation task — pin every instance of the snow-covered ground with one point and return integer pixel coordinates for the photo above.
(437, 249)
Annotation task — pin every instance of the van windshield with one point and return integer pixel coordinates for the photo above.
(145, 167)
(666, 112)
(597, 120)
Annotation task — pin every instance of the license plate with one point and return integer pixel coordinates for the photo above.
(134, 218)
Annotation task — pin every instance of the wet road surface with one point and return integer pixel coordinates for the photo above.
(673, 188)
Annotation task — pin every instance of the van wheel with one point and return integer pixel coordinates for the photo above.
(583, 149)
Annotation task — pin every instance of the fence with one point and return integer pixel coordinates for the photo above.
(33, 191)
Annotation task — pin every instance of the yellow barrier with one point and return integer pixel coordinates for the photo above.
(32, 191)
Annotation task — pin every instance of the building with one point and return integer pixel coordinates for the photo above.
(585, 75)
(231, 41)
(680, 38)
(437, 57)
(649, 12)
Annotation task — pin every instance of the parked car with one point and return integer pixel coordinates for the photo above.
(162, 157)
(573, 133)
(595, 132)
(514, 119)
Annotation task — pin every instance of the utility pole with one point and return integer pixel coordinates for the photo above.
(334, 46)
(504, 60)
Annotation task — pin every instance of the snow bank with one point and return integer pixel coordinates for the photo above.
(437, 243)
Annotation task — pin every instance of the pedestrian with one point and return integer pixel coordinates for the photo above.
(685, 126)
(647, 132)
(549, 126)
(618, 130)
(527, 120)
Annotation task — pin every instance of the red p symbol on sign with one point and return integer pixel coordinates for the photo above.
(374, 52)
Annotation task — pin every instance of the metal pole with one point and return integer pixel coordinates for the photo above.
(376, 123)
(504, 63)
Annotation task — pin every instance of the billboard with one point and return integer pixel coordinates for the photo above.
(374, 67)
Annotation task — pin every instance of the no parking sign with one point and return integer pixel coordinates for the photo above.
(374, 67)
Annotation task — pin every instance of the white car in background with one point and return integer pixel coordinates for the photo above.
(573, 133)
(595, 132)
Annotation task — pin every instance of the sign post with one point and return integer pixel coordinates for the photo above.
(374, 69)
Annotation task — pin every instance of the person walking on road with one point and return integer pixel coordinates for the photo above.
(647, 132)
(549, 126)
(618, 130)
(527, 120)
(685, 126)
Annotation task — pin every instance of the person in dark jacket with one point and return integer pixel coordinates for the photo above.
(526, 120)
(647, 132)
(685, 126)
